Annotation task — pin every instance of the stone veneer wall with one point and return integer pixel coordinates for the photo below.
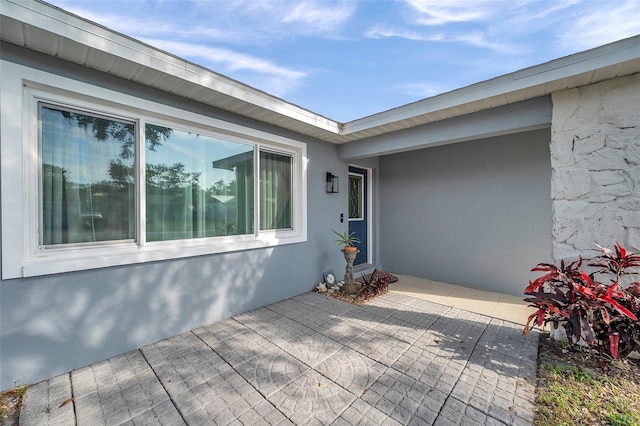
(595, 157)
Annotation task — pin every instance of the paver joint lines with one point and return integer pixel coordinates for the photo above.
(310, 360)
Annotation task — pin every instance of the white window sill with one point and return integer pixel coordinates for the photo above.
(56, 261)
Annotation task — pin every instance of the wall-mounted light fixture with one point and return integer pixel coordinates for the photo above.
(332, 183)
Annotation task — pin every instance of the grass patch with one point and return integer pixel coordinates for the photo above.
(10, 403)
(577, 387)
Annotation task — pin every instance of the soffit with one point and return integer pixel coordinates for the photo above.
(50, 30)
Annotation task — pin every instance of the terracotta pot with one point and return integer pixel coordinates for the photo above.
(350, 249)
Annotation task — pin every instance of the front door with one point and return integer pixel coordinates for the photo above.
(358, 211)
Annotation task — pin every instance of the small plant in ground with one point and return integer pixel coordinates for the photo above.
(10, 404)
(602, 314)
(621, 420)
(372, 285)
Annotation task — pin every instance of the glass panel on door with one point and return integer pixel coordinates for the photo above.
(358, 217)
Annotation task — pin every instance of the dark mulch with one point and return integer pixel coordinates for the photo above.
(351, 298)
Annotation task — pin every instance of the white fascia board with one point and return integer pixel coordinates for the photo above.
(521, 116)
(64, 24)
(569, 66)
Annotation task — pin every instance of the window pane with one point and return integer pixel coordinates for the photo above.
(196, 186)
(87, 177)
(275, 191)
(356, 197)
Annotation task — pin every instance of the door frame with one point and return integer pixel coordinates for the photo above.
(369, 212)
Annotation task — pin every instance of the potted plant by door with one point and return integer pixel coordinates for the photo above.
(347, 240)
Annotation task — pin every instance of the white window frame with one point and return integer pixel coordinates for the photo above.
(21, 192)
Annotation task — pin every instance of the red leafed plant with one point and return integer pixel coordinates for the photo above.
(602, 314)
(372, 285)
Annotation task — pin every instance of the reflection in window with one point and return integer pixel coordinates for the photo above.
(197, 186)
(86, 178)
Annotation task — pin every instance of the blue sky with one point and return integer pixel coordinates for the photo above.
(349, 59)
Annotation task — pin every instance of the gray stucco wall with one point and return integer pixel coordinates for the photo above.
(475, 213)
(53, 324)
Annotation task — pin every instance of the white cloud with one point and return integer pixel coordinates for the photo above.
(601, 23)
(384, 31)
(239, 21)
(539, 13)
(475, 38)
(157, 26)
(420, 90)
(518, 27)
(319, 16)
(229, 59)
(577, 24)
(272, 78)
(479, 39)
(284, 19)
(438, 12)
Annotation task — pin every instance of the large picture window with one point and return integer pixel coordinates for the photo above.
(196, 186)
(131, 180)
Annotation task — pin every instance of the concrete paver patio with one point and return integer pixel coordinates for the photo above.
(310, 359)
